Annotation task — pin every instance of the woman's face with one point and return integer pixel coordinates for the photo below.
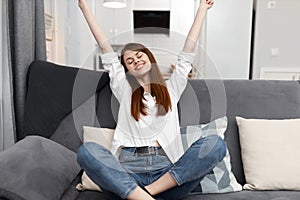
(137, 63)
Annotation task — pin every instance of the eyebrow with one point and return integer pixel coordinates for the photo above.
(134, 54)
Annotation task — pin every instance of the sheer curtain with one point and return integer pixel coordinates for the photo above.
(27, 43)
(7, 125)
(23, 40)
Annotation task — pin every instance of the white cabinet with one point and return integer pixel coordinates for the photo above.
(228, 40)
(117, 23)
(280, 73)
(182, 16)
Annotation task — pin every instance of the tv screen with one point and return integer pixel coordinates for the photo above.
(151, 21)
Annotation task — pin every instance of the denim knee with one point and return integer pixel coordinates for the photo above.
(212, 145)
(84, 152)
(219, 147)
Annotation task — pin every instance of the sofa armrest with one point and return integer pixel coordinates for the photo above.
(36, 168)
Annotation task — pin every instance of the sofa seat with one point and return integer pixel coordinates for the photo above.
(243, 195)
(246, 194)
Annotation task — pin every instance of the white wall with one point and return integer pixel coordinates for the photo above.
(48, 6)
(276, 28)
(228, 40)
(182, 16)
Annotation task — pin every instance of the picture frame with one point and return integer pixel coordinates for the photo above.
(49, 27)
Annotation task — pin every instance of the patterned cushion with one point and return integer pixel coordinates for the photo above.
(221, 179)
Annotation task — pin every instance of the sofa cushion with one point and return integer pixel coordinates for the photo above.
(37, 168)
(70, 130)
(270, 153)
(53, 91)
(221, 179)
(7, 195)
(102, 136)
(107, 108)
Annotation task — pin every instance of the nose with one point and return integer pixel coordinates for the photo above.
(136, 61)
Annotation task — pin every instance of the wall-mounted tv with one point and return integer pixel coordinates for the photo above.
(151, 21)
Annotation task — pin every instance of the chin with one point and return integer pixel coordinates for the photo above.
(142, 72)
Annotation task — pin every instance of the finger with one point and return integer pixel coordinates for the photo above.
(210, 3)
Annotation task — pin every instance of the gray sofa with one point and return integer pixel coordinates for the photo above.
(60, 100)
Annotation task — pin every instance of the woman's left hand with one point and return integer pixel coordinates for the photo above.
(207, 3)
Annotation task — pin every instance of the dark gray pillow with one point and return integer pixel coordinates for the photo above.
(36, 168)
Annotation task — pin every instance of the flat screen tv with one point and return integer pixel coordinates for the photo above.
(151, 21)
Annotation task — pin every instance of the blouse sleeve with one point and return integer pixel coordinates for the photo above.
(178, 80)
(118, 82)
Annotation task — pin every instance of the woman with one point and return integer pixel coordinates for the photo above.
(147, 159)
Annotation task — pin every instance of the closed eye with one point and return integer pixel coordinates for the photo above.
(129, 61)
(139, 55)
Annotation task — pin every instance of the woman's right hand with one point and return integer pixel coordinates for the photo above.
(207, 3)
(81, 3)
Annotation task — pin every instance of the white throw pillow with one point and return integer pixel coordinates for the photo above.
(221, 180)
(102, 136)
(270, 153)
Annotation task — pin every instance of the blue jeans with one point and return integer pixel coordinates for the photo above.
(124, 175)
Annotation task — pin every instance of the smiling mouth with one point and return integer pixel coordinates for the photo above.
(139, 66)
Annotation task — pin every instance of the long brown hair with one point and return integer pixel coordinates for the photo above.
(157, 85)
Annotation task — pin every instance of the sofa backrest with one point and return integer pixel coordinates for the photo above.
(57, 101)
(206, 100)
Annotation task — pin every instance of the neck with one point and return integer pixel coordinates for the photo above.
(147, 88)
(145, 82)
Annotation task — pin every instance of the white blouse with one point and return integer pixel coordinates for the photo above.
(151, 128)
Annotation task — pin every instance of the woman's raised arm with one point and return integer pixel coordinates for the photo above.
(195, 30)
(95, 27)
